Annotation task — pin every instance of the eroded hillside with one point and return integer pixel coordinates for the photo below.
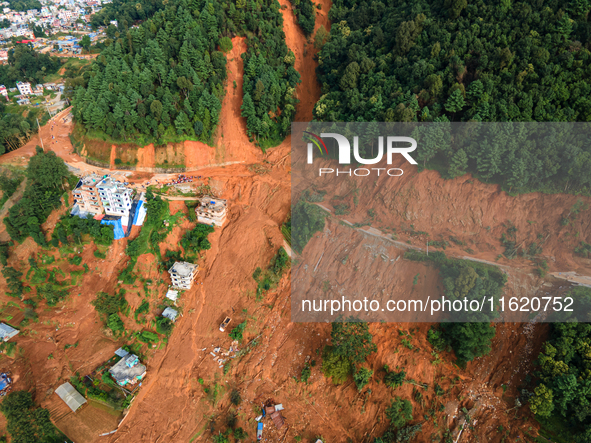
(186, 395)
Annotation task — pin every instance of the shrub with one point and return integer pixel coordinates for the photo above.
(306, 372)
(196, 240)
(394, 379)
(164, 326)
(13, 282)
(335, 366)
(236, 333)
(269, 278)
(361, 377)
(235, 397)
(4, 253)
(109, 304)
(220, 438)
(115, 323)
(148, 337)
(399, 412)
(240, 434)
(231, 419)
(52, 293)
(436, 338)
(191, 211)
(75, 260)
(352, 340)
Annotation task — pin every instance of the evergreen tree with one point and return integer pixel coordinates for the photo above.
(458, 164)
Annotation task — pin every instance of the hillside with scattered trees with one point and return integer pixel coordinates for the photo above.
(448, 60)
(17, 129)
(26, 64)
(48, 178)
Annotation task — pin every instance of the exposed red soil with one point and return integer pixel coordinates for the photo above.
(428, 203)
(113, 156)
(309, 90)
(232, 143)
(173, 406)
(146, 158)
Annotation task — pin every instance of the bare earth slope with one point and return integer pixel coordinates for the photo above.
(174, 406)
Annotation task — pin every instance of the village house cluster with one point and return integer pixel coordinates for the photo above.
(54, 16)
(26, 90)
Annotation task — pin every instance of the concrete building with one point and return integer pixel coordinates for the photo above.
(182, 274)
(170, 314)
(3, 91)
(7, 332)
(116, 198)
(128, 370)
(211, 210)
(24, 88)
(86, 194)
(70, 396)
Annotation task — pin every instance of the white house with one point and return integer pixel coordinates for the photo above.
(182, 274)
(116, 198)
(24, 88)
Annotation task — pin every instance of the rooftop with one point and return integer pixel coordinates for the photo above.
(70, 396)
(122, 373)
(7, 332)
(121, 352)
(170, 313)
(210, 203)
(91, 180)
(183, 269)
(172, 294)
(112, 184)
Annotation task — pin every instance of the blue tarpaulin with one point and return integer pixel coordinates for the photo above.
(140, 214)
(3, 384)
(117, 228)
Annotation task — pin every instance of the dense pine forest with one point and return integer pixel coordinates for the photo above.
(447, 60)
(165, 80)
